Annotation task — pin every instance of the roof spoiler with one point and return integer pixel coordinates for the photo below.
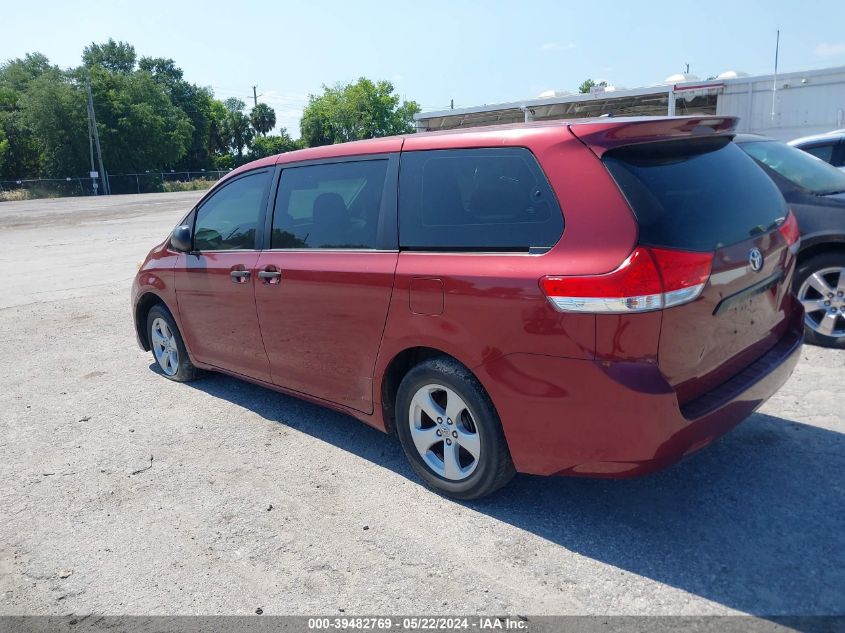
(604, 136)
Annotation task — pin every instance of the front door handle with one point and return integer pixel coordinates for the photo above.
(270, 276)
(239, 276)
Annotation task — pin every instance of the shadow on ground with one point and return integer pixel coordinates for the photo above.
(755, 522)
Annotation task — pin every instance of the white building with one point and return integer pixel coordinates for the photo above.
(784, 106)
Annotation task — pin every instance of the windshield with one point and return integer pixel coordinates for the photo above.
(798, 167)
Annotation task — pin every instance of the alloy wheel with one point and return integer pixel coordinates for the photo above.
(444, 432)
(823, 296)
(164, 347)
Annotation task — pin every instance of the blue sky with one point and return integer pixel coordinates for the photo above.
(435, 51)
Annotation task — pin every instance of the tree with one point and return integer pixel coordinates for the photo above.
(118, 57)
(237, 127)
(356, 111)
(162, 68)
(20, 153)
(585, 87)
(218, 143)
(264, 146)
(139, 126)
(4, 150)
(194, 101)
(55, 112)
(262, 118)
(16, 74)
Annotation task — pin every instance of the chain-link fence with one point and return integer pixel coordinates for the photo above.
(141, 182)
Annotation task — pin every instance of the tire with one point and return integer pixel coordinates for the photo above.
(170, 355)
(820, 286)
(427, 392)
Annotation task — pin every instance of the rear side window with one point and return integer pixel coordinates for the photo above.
(476, 200)
(697, 195)
(334, 206)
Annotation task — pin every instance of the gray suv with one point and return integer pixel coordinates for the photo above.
(830, 147)
(815, 192)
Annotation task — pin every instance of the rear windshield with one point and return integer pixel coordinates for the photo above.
(697, 195)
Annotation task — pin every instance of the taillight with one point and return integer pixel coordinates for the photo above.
(790, 231)
(649, 279)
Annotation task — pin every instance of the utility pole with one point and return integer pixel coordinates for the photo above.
(93, 123)
(775, 81)
(94, 184)
(254, 97)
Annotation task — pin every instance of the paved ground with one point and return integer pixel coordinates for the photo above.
(122, 492)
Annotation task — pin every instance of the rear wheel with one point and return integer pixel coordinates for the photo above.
(450, 431)
(167, 346)
(820, 287)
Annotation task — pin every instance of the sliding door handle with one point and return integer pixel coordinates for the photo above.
(270, 276)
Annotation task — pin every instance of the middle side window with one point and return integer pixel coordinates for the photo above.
(333, 206)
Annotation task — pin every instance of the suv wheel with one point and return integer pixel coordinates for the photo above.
(167, 346)
(820, 286)
(450, 431)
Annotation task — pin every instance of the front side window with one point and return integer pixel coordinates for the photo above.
(229, 218)
(825, 152)
(330, 206)
(494, 199)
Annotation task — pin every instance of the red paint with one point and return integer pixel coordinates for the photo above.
(218, 317)
(426, 296)
(577, 393)
(322, 323)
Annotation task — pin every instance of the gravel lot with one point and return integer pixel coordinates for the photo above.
(124, 493)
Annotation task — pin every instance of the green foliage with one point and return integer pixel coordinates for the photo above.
(350, 112)
(15, 195)
(149, 117)
(188, 185)
(4, 150)
(585, 87)
(21, 155)
(195, 102)
(263, 146)
(54, 111)
(140, 127)
(262, 118)
(237, 130)
(117, 57)
(16, 74)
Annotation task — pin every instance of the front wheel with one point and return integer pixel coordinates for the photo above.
(168, 347)
(820, 287)
(450, 431)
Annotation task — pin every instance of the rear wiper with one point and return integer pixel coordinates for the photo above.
(831, 192)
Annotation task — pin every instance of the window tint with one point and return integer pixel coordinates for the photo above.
(229, 218)
(825, 152)
(697, 195)
(476, 199)
(798, 167)
(329, 206)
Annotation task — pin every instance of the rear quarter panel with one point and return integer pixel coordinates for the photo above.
(492, 303)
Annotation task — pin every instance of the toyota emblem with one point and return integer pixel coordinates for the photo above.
(755, 259)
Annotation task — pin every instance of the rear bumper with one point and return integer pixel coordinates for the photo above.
(602, 419)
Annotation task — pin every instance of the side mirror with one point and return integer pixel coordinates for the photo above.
(180, 239)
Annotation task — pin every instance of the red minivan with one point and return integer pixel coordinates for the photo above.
(595, 297)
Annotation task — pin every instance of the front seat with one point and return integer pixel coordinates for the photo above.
(331, 222)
